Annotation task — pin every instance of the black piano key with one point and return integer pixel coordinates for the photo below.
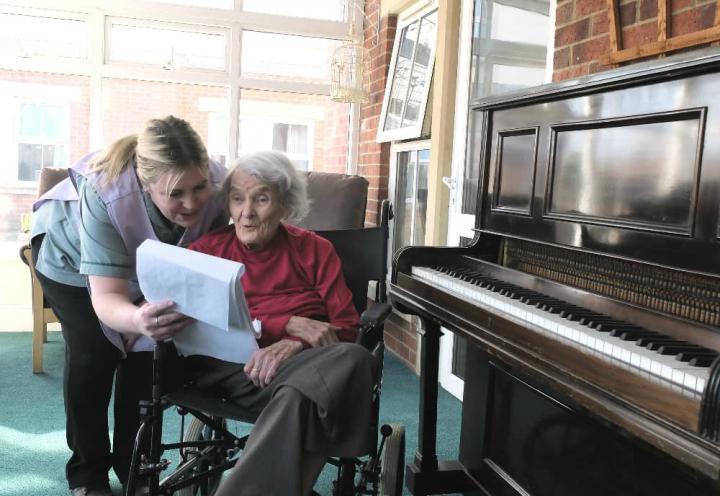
(670, 349)
(655, 345)
(596, 322)
(633, 335)
(701, 361)
(686, 356)
(661, 339)
(608, 327)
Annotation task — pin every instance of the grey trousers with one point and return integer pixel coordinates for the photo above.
(318, 405)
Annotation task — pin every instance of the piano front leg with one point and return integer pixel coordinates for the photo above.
(425, 475)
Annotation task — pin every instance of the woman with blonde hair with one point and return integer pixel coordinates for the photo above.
(157, 184)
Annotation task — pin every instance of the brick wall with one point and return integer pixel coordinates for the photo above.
(582, 29)
(374, 158)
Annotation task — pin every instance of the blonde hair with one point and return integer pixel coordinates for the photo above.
(165, 145)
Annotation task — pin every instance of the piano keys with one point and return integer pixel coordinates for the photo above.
(590, 296)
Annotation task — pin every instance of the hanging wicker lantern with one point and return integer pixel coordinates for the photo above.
(349, 73)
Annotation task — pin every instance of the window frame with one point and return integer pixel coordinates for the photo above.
(415, 131)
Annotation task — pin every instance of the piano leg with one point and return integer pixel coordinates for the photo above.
(425, 475)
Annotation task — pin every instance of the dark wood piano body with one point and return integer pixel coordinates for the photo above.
(603, 192)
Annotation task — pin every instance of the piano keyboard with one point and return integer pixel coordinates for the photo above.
(679, 364)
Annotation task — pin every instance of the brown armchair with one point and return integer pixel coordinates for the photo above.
(42, 314)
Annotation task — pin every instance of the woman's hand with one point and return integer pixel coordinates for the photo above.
(313, 332)
(158, 321)
(264, 363)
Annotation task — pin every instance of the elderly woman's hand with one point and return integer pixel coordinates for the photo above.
(264, 363)
(158, 321)
(313, 332)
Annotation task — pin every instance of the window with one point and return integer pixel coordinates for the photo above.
(28, 36)
(274, 56)
(127, 104)
(109, 66)
(509, 52)
(305, 127)
(167, 47)
(214, 4)
(42, 139)
(410, 198)
(331, 10)
(406, 93)
(258, 134)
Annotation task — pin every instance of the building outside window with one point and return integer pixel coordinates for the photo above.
(42, 139)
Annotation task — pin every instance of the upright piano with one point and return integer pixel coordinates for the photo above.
(589, 296)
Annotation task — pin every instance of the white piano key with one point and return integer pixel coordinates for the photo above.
(661, 368)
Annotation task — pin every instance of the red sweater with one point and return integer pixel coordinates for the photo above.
(298, 273)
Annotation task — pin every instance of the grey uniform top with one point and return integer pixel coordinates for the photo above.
(103, 251)
(67, 256)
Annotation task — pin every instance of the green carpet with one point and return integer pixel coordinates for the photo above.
(32, 437)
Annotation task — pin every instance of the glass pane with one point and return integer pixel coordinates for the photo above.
(42, 122)
(509, 77)
(29, 36)
(404, 199)
(29, 161)
(311, 130)
(215, 4)
(423, 161)
(273, 56)
(420, 71)
(167, 48)
(401, 77)
(129, 104)
(332, 10)
(518, 25)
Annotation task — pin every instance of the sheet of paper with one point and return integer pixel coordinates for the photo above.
(206, 288)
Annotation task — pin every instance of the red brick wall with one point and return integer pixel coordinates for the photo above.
(374, 158)
(582, 29)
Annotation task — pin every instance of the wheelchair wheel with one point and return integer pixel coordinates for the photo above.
(199, 431)
(393, 462)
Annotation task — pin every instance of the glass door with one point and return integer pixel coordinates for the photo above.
(504, 45)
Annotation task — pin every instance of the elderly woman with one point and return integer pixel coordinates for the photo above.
(309, 383)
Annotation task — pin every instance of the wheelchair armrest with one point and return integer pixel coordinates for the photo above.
(375, 315)
(371, 324)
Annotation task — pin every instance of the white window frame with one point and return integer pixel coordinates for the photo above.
(416, 130)
(18, 138)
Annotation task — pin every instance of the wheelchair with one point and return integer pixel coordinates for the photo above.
(207, 448)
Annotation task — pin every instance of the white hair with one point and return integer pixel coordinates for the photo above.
(274, 169)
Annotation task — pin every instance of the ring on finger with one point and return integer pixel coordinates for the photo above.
(157, 321)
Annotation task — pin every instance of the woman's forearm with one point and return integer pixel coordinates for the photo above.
(116, 312)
